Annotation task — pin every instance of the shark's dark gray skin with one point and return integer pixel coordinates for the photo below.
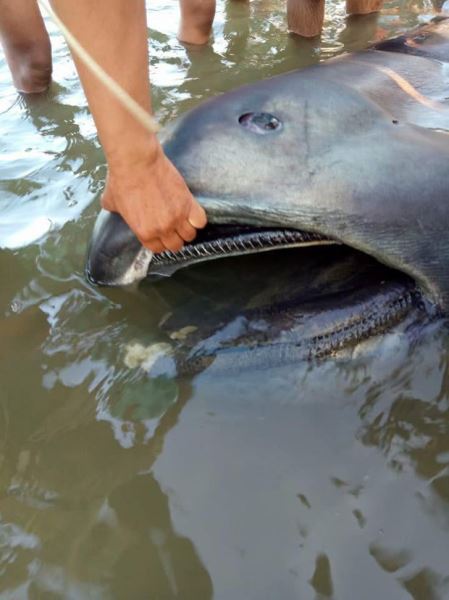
(354, 151)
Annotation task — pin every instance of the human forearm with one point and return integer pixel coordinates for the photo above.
(143, 186)
(114, 33)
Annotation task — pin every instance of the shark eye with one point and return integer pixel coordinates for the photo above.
(260, 122)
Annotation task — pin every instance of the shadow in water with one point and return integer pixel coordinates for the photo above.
(342, 466)
(95, 522)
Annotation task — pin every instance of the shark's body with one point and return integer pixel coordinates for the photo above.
(353, 151)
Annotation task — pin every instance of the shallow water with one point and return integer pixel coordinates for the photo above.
(321, 481)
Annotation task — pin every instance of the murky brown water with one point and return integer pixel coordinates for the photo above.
(318, 482)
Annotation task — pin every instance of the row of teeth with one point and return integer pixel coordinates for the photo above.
(239, 243)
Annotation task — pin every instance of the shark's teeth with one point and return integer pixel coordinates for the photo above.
(240, 243)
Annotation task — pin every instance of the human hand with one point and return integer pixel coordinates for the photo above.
(143, 186)
(154, 200)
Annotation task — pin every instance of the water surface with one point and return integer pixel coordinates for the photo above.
(320, 481)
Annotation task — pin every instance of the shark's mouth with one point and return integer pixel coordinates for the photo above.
(290, 306)
(220, 241)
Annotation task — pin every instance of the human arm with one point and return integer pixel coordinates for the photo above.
(142, 185)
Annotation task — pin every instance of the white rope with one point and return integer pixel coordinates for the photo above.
(116, 89)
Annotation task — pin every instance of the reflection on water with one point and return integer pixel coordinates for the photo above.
(296, 483)
(44, 187)
(320, 481)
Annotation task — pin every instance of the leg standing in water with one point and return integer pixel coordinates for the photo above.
(305, 17)
(26, 44)
(363, 7)
(196, 21)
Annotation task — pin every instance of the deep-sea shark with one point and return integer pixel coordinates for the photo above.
(351, 157)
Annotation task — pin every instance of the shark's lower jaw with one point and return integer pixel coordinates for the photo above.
(221, 241)
(310, 304)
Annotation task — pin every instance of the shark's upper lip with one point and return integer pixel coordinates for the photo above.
(224, 240)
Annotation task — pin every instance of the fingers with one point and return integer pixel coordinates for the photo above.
(155, 245)
(158, 226)
(172, 241)
(169, 240)
(186, 231)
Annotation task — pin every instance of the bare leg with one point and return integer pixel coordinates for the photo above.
(363, 7)
(197, 17)
(305, 17)
(26, 44)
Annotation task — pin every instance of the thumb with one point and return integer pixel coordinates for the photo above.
(197, 216)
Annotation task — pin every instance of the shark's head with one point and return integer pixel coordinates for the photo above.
(335, 154)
